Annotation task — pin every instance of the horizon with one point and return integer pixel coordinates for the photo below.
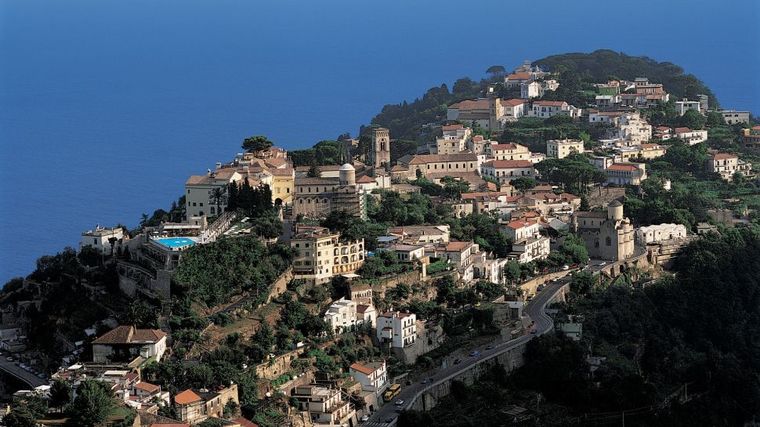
(156, 94)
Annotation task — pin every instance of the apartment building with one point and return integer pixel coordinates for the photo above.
(510, 151)
(399, 329)
(321, 254)
(506, 170)
(561, 148)
(626, 173)
(325, 406)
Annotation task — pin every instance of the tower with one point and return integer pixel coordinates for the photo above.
(347, 174)
(615, 210)
(380, 148)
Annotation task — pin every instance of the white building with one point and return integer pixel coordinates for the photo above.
(372, 376)
(561, 148)
(626, 173)
(685, 105)
(99, 239)
(341, 315)
(125, 343)
(506, 170)
(634, 129)
(400, 329)
(660, 232)
(202, 192)
(546, 109)
(454, 140)
(691, 137)
(520, 230)
(325, 406)
(732, 117)
(510, 151)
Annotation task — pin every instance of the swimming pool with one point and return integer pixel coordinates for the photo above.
(176, 242)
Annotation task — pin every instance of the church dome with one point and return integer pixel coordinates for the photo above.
(347, 167)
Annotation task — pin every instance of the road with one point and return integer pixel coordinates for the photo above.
(387, 414)
(14, 370)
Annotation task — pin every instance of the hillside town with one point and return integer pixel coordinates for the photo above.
(307, 288)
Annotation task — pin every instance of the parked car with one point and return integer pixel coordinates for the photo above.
(364, 418)
(399, 402)
(489, 347)
(457, 361)
(475, 354)
(565, 267)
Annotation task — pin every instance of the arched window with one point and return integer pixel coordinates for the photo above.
(608, 241)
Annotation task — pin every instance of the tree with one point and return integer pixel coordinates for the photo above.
(314, 171)
(522, 184)
(512, 271)
(217, 196)
(256, 143)
(92, 405)
(693, 119)
(496, 70)
(60, 394)
(19, 417)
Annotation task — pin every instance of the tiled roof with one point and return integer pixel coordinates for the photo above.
(682, 130)
(517, 224)
(508, 146)
(439, 158)
(550, 103)
(128, 334)
(724, 156)
(512, 102)
(452, 127)
(365, 180)
(458, 246)
(187, 397)
(361, 368)
(622, 167)
(147, 387)
(472, 104)
(519, 76)
(509, 164)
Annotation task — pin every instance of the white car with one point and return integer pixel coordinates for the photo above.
(399, 402)
(364, 418)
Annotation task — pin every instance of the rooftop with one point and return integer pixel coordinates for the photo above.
(130, 335)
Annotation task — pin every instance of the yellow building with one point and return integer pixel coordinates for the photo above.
(321, 254)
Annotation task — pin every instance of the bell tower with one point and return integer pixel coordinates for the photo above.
(380, 148)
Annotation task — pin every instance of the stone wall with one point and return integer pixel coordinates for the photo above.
(273, 368)
(280, 285)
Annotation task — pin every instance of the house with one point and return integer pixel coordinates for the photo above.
(341, 315)
(407, 253)
(532, 89)
(205, 194)
(724, 164)
(399, 329)
(626, 173)
(605, 117)
(685, 105)
(506, 170)
(484, 112)
(546, 109)
(124, 343)
(373, 376)
(607, 101)
(608, 236)
(633, 129)
(100, 239)
(517, 79)
(454, 140)
(751, 137)
(732, 117)
(326, 406)
(320, 254)
(651, 151)
(659, 233)
(528, 244)
(691, 137)
(513, 109)
(510, 151)
(550, 204)
(196, 405)
(415, 234)
(561, 148)
(663, 133)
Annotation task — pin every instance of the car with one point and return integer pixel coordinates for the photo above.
(399, 402)
(475, 354)
(10, 359)
(457, 361)
(364, 418)
(390, 419)
(533, 332)
(565, 267)
(489, 347)
(541, 287)
(425, 381)
(602, 264)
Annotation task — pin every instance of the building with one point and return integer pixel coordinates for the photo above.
(608, 236)
(416, 234)
(506, 170)
(513, 109)
(194, 406)
(317, 197)
(205, 194)
(528, 244)
(380, 148)
(691, 137)
(659, 233)
(321, 254)
(434, 163)
(459, 254)
(407, 253)
(517, 79)
(399, 329)
(633, 129)
(751, 137)
(454, 139)
(626, 173)
(561, 148)
(325, 406)
(685, 105)
(724, 164)
(510, 151)
(546, 109)
(486, 113)
(341, 315)
(100, 239)
(373, 376)
(124, 343)
(732, 117)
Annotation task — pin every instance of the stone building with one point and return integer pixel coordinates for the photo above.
(608, 236)
(317, 197)
(380, 148)
(320, 254)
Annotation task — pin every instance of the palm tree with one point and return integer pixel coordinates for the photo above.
(218, 195)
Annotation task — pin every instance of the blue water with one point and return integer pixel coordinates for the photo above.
(175, 242)
(107, 106)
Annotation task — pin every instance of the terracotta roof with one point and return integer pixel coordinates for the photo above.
(550, 103)
(399, 168)
(512, 102)
(365, 180)
(458, 246)
(509, 164)
(361, 368)
(128, 335)
(520, 76)
(724, 156)
(517, 224)
(148, 387)
(196, 179)
(508, 146)
(187, 397)
(439, 158)
(361, 308)
(478, 138)
(452, 127)
(472, 104)
(282, 172)
(622, 167)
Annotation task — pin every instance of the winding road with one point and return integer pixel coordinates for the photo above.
(388, 413)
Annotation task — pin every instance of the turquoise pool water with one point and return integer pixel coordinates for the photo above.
(176, 242)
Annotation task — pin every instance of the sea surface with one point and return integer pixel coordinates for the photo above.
(106, 107)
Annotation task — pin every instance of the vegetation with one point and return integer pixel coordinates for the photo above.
(256, 143)
(212, 273)
(323, 153)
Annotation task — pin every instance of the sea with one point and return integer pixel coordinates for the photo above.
(106, 107)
